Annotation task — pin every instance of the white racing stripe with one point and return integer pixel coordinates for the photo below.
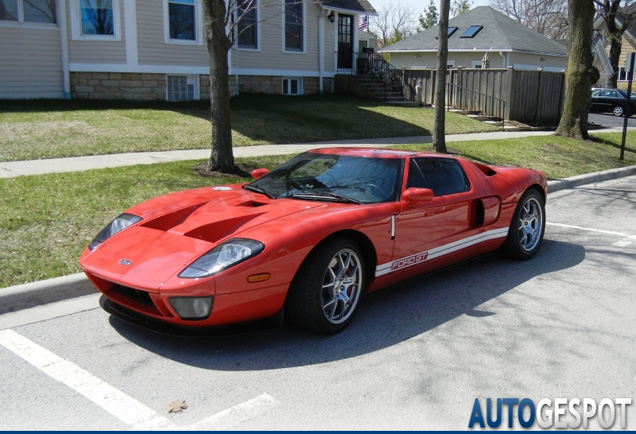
(112, 400)
(446, 249)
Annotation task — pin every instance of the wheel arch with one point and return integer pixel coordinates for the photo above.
(367, 249)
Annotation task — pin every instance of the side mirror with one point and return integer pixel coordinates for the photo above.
(257, 173)
(418, 194)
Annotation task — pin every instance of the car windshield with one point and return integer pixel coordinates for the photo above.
(333, 178)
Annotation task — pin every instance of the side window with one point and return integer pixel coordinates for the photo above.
(442, 175)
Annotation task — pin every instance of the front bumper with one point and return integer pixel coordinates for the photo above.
(138, 319)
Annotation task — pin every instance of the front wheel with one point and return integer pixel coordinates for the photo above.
(527, 227)
(326, 291)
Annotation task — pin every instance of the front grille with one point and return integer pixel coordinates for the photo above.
(134, 294)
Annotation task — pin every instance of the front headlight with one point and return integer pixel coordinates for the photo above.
(223, 256)
(117, 225)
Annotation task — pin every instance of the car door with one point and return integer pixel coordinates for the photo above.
(435, 233)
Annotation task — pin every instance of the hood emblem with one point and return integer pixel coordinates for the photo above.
(125, 262)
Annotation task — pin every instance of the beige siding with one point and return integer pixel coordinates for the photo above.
(535, 59)
(465, 60)
(90, 51)
(153, 49)
(31, 63)
(271, 55)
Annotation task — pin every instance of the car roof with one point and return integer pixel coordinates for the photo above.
(370, 152)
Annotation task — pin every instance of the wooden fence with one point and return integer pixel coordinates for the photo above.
(530, 97)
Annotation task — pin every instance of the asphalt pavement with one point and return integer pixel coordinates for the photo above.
(76, 285)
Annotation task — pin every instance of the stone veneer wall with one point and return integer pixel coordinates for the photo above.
(273, 84)
(152, 87)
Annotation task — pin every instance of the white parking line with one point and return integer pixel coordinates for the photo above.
(112, 400)
(600, 231)
(234, 416)
(123, 407)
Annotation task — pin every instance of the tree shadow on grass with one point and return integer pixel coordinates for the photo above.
(274, 119)
(385, 319)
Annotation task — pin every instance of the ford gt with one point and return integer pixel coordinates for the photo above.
(308, 239)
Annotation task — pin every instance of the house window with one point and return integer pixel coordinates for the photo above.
(181, 19)
(28, 11)
(9, 10)
(248, 25)
(450, 64)
(182, 87)
(292, 86)
(97, 17)
(294, 25)
(623, 75)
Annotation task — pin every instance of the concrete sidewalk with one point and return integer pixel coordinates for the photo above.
(61, 288)
(12, 169)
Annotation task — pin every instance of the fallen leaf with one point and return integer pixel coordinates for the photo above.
(177, 406)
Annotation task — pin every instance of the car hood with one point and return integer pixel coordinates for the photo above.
(164, 243)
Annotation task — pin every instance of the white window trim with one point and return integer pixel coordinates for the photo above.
(475, 63)
(304, 48)
(450, 63)
(198, 32)
(35, 25)
(76, 24)
(301, 86)
(197, 86)
(258, 31)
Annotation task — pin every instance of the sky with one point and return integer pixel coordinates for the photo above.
(418, 6)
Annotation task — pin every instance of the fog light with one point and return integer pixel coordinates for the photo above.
(192, 307)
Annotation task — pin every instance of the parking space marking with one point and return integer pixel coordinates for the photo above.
(600, 231)
(233, 416)
(112, 400)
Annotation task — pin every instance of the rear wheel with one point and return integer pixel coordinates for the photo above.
(617, 111)
(327, 289)
(527, 227)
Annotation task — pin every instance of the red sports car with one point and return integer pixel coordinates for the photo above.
(310, 238)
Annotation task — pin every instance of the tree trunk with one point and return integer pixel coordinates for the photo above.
(222, 157)
(579, 73)
(439, 130)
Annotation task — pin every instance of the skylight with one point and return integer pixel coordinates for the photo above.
(451, 30)
(471, 31)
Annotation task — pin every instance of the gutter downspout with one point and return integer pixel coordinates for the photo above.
(505, 58)
(321, 50)
(63, 22)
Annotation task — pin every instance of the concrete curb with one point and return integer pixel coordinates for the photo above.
(33, 294)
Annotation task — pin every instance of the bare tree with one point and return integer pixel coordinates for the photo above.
(616, 22)
(579, 73)
(439, 129)
(223, 27)
(394, 22)
(548, 17)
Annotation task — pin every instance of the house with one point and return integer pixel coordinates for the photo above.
(628, 44)
(156, 49)
(482, 31)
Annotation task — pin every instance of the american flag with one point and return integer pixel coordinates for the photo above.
(363, 23)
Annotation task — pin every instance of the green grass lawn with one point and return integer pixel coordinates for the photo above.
(46, 221)
(50, 129)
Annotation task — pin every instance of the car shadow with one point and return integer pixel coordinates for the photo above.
(384, 319)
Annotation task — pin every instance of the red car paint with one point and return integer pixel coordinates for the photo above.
(401, 239)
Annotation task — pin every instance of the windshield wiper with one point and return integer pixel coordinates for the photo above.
(258, 189)
(324, 195)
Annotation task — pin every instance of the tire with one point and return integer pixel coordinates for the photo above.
(527, 227)
(327, 289)
(618, 111)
